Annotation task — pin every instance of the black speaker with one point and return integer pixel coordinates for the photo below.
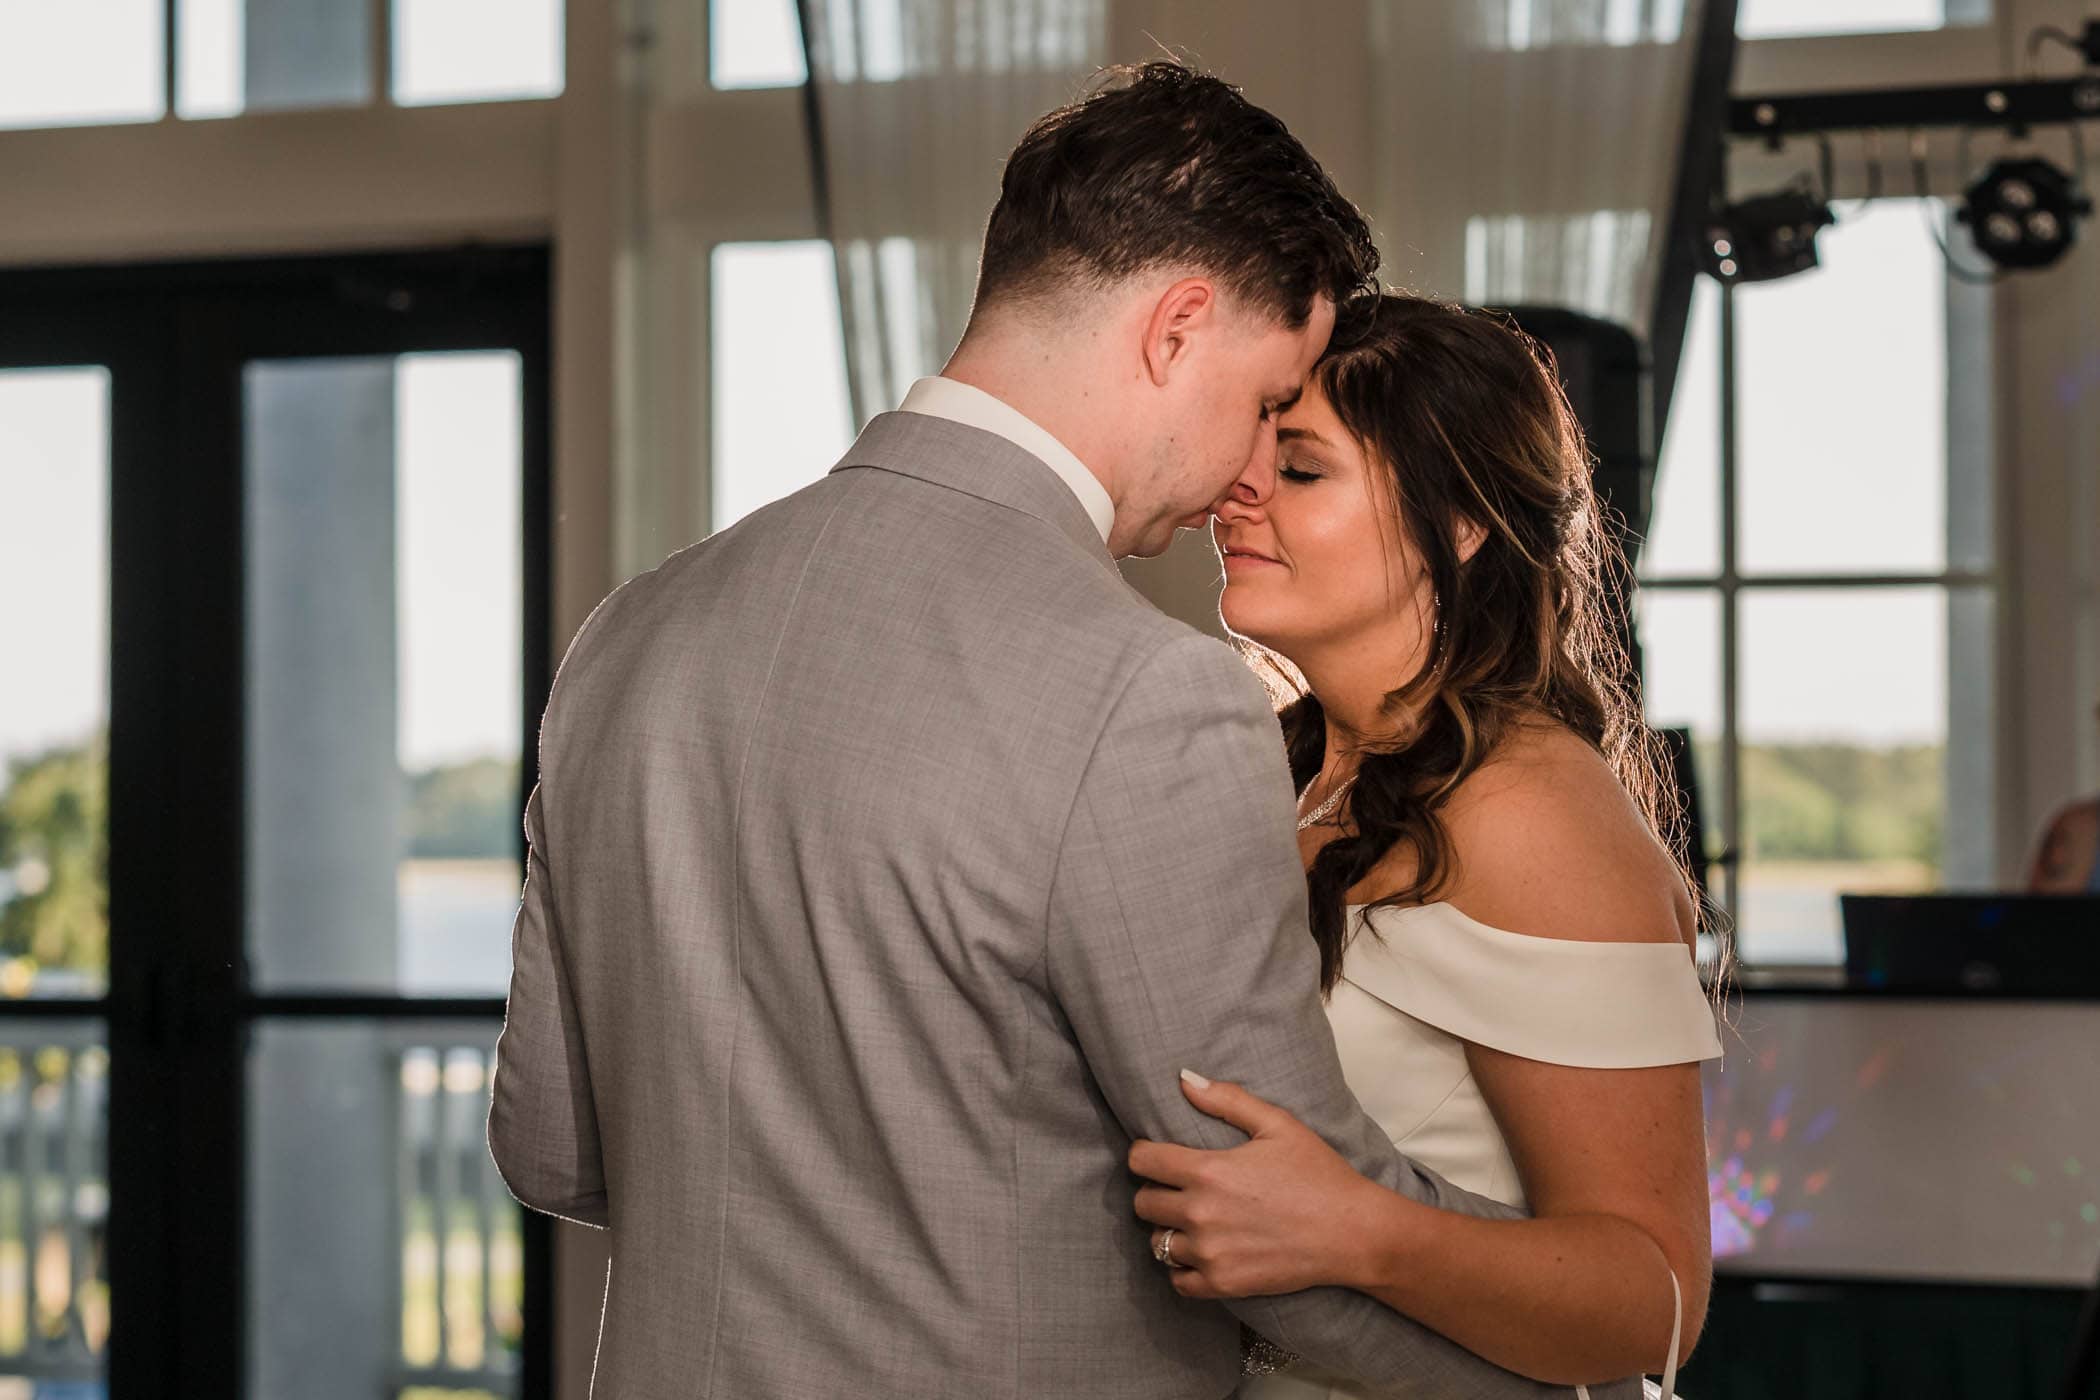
(1604, 369)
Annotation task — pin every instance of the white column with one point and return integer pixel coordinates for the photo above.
(324, 843)
(588, 341)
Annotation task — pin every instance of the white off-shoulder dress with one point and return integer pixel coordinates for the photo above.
(1420, 982)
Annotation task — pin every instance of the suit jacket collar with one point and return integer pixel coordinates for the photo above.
(977, 463)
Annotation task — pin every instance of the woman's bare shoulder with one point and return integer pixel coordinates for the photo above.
(1546, 841)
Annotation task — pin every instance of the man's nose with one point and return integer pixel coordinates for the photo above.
(1245, 500)
(1257, 480)
(1233, 511)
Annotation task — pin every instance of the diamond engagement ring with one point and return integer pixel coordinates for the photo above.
(1163, 1250)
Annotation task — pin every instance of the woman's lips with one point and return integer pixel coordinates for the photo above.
(1239, 559)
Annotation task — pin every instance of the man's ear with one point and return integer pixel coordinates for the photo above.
(1182, 310)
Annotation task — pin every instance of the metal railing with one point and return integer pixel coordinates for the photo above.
(461, 1278)
(54, 1200)
(457, 1281)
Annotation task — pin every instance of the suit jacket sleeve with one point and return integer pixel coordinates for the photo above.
(1177, 938)
(543, 1127)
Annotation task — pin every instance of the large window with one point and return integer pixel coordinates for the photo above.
(101, 61)
(754, 43)
(1540, 24)
(54, 725)
(781, 417)
(1775, 19)
(758, 43)
(81, 62)
(1816, 605)
(476, 50)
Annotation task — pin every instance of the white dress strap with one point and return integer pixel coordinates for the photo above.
(1669, 1385)
(1562, 1001)
(1668, 1389)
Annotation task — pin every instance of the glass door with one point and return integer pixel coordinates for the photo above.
(273, 544)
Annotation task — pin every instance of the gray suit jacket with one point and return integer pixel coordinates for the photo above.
(890, 857)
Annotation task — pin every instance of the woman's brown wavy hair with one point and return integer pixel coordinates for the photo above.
(1463, 415)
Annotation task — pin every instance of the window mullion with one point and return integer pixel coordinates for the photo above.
(170, 58)
(1731, 748)
(382, 52)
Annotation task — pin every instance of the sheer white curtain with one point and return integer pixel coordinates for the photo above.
(1508, 151)
(1535, 145)
(918, 103)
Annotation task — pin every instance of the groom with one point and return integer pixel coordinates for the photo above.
(890, 857)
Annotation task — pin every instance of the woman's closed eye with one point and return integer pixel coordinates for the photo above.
(1297, 471)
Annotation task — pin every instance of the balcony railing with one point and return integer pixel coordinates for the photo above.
(457, 1281)
(54, 1201)
(461, 1280)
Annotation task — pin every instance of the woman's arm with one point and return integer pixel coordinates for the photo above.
(1614, 1163)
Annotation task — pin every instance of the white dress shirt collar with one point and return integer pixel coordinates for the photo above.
(967, 404)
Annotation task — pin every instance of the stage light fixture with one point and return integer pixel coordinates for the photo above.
(2023, 213)
(1766, 236)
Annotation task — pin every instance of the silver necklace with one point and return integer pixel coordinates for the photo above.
(1334, 800)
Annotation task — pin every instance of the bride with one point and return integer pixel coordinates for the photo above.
(1505, 941)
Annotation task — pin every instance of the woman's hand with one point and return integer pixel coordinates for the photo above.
(1279, 1213)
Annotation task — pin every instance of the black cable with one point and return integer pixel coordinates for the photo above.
(2087, 47)
(1968, 275)
(815, 53)
(813, 121)
(1921, 183)
(1960, 274)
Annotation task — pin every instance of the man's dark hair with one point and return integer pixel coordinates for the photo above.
(1161, 166)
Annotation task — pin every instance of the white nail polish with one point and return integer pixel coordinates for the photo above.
(1196, 1079)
